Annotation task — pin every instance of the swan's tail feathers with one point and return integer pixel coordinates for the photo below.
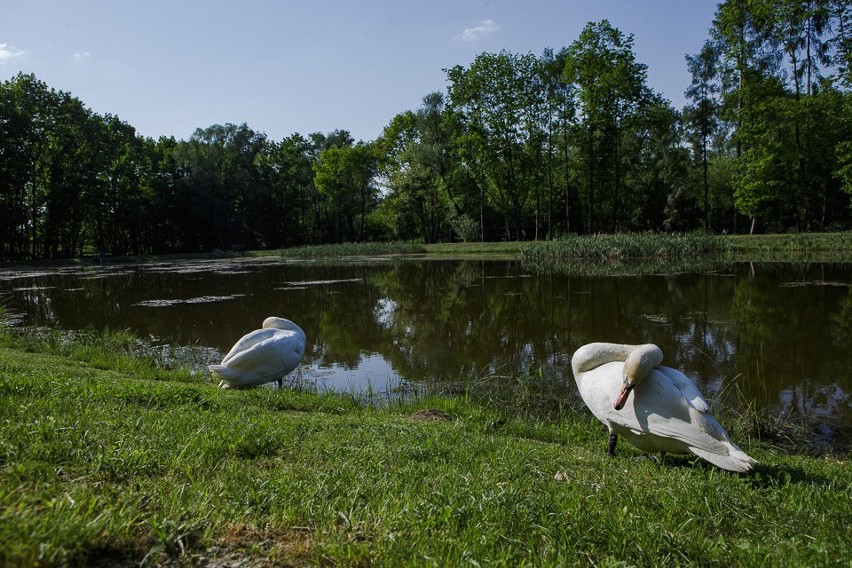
(734, 460)
(225, 373)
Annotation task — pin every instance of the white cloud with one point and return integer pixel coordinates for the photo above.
(8, 53)
(79, 56)
(485, 28)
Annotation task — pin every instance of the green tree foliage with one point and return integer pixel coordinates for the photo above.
(502, 102)
(701, 116)
(29, 110)
(611, 90)
(282, 215)
(656, 166)
(841, 43)
(169, 200)
(561, 202)
(420, 170)
(58, 159)
(518, 146)
(783, 114)
(223, 182)
(344, 178)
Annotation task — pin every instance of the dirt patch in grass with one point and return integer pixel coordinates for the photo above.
(248, 547)
(431, 415)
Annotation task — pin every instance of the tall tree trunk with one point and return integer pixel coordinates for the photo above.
(705, 167)
(591, 191)
(617, 195)
(567, 185)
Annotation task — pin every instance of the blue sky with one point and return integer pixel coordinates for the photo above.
(168, 67)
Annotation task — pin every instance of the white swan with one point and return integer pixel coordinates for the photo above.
(263, 355)
(655, 408)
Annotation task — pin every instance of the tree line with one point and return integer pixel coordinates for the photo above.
(519, 146)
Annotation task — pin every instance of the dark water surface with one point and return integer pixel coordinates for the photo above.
(776, 336)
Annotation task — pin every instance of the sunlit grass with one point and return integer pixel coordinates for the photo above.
(644, 253)
(779, 247)
(491, 248)
(622, 245)
(352, 249)
(602, 249)
(571, 248)
(108, 457)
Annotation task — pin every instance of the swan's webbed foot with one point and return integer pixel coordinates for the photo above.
(613, 440)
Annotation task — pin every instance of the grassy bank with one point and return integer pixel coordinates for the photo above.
(349, 249)
(624, 245)
(109, 458)
(604, 247)
(839, 244)
(685, 248)
(568, 249)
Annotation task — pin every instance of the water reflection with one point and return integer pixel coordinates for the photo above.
(775, 335)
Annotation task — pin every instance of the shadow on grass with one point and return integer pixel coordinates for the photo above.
(771, 475)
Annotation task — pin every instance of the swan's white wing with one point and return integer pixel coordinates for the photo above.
(707, 439)
(659, 395)
(674, 408)
(265, 361)
(664, 412)
(698, 430)
(687, 388)
(658, 406)
(249, 340)
(282, 350)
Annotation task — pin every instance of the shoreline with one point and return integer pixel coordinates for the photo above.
(108, 456)
(817, 247)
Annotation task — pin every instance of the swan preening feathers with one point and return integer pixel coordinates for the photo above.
(262, 356)
(655, 408)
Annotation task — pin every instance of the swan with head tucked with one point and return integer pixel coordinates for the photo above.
(262, 356)
(655, 408)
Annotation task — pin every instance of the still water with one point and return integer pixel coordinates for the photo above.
(776, 336)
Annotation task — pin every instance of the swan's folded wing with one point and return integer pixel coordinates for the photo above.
(247, 341)
(259, 354)
(707, 439)
(659, 395)
(676, 408)
(687, 388)
(696, 428)
(280, 353)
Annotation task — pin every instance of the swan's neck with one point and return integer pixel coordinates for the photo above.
(638, 359)
(594, 355)
(641, 361)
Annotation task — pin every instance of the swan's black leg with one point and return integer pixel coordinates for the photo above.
(613, 439)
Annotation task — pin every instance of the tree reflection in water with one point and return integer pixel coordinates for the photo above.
(775, 336)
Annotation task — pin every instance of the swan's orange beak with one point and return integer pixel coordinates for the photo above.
(626, 387)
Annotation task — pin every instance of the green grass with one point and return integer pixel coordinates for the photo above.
(570, 250)
(607, 248)
(622, 245)
(350, 249)
(791, 244)
(501, 248)
(625, 253)
(111, 458)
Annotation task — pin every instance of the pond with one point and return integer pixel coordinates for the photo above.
(774, 336)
